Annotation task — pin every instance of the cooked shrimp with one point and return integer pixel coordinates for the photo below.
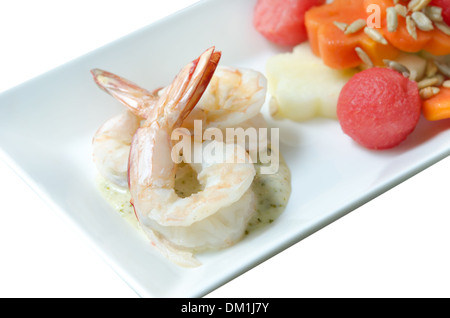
(233, 96)
(220, 230)
(159, 209)
(217, 215)
(152, 171)
(225, 227)
(111, 147)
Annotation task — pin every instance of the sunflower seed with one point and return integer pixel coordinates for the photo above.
(422, 21)
(433, 13)
(341, 25)
(411, 27)
(412, 4)
(375, 35)
(401, 10)
(417, 5)
(396, 66)
(355, 26)
(429, 92)
(440, 78)
(443, 68)
(443, 27)
(364, 57)
(446, 84)
(428, 82)
(431, 68)
(392, 19)
(423, 4)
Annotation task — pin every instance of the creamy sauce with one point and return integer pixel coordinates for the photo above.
(119, 198)
(272, 194)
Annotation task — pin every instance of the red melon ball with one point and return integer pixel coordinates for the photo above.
(283, 21)
(379, 108)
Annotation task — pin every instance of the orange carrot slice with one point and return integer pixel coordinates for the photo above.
(438, 106)
(337, 49)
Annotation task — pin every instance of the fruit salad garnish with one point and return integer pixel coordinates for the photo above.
(404, 42)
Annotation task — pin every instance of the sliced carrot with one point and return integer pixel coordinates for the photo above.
(338, 53)
(402, 40)
(377, 51)
(438, 106)
(439, 43)
(435, 42)
(338, 49)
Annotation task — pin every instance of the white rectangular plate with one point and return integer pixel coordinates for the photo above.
(46, 136)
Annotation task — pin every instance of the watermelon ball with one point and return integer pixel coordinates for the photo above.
(445, 5)
(379, 108)
(283, 21)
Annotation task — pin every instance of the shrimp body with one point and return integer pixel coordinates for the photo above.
(213, 218)
(233, 96)
(111, 147)
(220, 230)
(223, 184)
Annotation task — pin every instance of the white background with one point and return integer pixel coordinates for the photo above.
(394, 246)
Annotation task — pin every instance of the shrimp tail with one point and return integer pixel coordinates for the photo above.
(137, 99)
(187, 88)
(194, 78)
